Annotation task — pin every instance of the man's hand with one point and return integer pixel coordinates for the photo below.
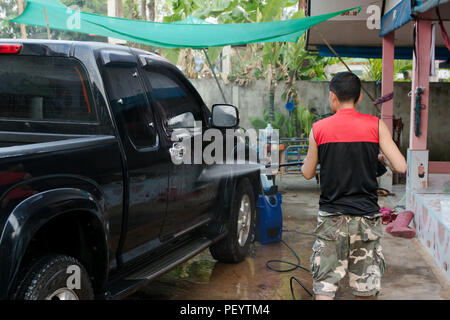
(384, 161)
(312, 158)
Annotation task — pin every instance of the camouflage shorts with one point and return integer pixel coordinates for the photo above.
(347, 243)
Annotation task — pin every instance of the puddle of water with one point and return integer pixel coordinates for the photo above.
(204, 278)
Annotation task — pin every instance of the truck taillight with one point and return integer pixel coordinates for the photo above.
(10, 48)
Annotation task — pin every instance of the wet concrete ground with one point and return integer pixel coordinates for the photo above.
(410, 272)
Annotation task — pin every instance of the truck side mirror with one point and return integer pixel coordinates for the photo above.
(224, 116)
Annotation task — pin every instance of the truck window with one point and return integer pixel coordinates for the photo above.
(175, 102)
(129, 102)
(44, 88)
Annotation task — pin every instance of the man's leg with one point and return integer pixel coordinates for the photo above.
(329, 259)
(366, 261)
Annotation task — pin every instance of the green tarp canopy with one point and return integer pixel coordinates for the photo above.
(167, 35)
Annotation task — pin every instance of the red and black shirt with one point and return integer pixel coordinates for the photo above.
(348, 144)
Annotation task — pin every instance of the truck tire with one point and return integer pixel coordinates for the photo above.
(235, 246)
(48, 278)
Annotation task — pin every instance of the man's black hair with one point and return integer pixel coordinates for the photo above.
(346, 86)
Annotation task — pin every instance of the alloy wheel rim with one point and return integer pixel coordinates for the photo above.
(63, 294)
(244, 220)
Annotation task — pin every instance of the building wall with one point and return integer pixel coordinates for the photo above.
(251, 101)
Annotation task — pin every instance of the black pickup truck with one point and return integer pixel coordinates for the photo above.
(92, 204)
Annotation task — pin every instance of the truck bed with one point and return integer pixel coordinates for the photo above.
(18, 143)
(10, 139)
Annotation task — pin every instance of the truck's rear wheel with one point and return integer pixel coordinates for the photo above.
(53, 278)
(241, 227)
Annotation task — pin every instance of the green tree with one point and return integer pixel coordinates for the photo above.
(373, 70)
(289, 61)
(9, 9)
(131, 10)
(225, 11)
(287, 126)
(203, 9)
(271, 61)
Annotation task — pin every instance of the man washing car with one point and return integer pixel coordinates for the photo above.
(347, 145)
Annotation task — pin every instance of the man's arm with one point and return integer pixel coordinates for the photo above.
(312, 158)
(396, 160)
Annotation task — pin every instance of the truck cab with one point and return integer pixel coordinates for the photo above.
(87, 177)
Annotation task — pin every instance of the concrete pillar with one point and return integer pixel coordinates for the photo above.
(387, 86)
(421, 75)
(417, 152)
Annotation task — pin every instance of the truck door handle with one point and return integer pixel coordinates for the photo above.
(177, 151)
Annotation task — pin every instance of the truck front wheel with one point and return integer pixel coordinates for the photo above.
(55, 277)
(235, 246)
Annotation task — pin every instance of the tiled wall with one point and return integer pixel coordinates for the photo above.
(432, 227)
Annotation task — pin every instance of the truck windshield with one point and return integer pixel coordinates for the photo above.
(44, 88)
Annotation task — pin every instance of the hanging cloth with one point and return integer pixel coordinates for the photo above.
(168, 35)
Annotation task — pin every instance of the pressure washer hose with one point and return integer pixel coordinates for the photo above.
(294, 266)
